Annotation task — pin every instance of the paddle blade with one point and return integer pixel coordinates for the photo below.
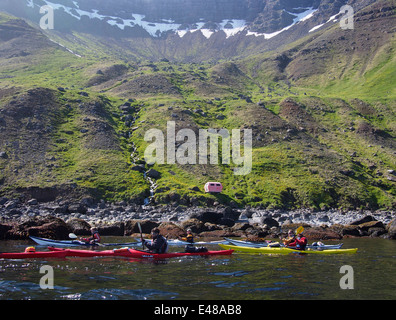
(141, 234)
(300, 230)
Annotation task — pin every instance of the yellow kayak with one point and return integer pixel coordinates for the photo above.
(277, 250)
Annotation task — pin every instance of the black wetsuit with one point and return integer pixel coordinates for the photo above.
(157, 245)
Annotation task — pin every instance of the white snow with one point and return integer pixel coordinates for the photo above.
(303, 16)
(332, 18)
(207, 33)
(61, 45)
(181, 33)
(317, 27)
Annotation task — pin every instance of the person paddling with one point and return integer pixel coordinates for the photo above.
(188, 238)
(158, 243)
(190, 246)
(299, 243)
(94, 239)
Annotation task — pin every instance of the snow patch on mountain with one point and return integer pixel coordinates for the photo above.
(230, 27)
(299, 17)
(66, 48)
(332, 18)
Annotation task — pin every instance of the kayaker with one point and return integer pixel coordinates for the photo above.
(300, 242)
(158, 243)
(95, 238)
(189, 237)
(291, 237)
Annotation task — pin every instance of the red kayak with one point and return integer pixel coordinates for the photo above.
(33, 255)
(133, 253)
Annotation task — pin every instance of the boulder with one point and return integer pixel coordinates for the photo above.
(362, 220)
(55, 229)
(115, 229)
(139, 167)
(79, 227)
(207, 216)
(49, 227)
(371, 224)
(171, 230)
(347, 230)
(196, 226)
(376, 232)
(153, 174)
(241, 226)
(269, 221)
(318, 233)
(3, 155)
(212, 227)
(391, 228)
(4, 228)
(131, 226)
(229, 213)
(226, 222)
(218, 234)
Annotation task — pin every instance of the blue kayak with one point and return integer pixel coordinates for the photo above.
(77, 243)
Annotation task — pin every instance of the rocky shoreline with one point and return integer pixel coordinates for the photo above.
(57, 219)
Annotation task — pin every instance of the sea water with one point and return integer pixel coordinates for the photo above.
(239, 277)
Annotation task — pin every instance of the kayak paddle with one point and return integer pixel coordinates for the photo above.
(141, 234)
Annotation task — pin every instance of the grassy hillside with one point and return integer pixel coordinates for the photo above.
(73, 120)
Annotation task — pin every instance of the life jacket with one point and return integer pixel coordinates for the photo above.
(189, 238)
(96, 236)
(299, 244)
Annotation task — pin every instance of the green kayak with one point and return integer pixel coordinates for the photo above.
(272, 250)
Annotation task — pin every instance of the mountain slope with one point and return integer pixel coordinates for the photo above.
(322, 116)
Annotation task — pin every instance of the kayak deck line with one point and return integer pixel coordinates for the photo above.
(133, 253)
(277, 244)
(77, 243)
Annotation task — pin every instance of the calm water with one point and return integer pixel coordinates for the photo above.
(237, 277)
